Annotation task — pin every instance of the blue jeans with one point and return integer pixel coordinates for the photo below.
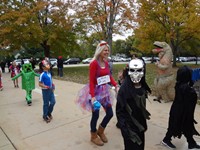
(95, 117)
(48, 101)
(60, 72)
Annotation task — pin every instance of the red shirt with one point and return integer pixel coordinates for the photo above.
(95, 72)
(14, 70)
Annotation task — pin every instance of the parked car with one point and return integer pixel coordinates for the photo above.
(72, 61)
(53, 61)
(26, 61)
(86, 61)
(19, 61)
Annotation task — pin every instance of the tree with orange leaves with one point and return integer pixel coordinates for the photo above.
(37, 23)
(105, 17)
(172, 21)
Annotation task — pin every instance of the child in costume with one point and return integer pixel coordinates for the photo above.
(46, 83)
(97, 93)
(28, 81)
(15, 70)
(1, 86)
(181, 117)
(131, 107)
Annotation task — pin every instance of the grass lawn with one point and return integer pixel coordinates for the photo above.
(81, 74)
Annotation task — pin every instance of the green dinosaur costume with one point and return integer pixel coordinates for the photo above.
(28, 81)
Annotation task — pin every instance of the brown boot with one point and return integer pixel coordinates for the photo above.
(101, 134)
(95, 139)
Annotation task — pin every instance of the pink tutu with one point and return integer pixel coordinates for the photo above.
(102, 94)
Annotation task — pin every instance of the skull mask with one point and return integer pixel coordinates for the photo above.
(136, 70)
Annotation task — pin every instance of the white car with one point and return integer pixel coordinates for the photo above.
(19, 61)
(26, 61)
(53, 61)
(86, 61)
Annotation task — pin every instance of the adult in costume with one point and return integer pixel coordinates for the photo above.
(131, 107)
(28, 80)
(97, 93)
(164, 81)
(181, 117)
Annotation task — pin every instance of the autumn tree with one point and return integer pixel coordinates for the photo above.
(125, 46)
(105, 17)
(192, 46)
(37, 23)
(173, 21)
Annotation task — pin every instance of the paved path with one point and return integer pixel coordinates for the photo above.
(22, 126)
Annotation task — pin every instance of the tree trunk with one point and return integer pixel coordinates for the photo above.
(109, 40)
(46, 49)
(110, 26)
(174, 60)
(174, 50)
(196, 59)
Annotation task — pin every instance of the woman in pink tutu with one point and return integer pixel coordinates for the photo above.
(97, 93)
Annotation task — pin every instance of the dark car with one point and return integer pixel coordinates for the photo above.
(72, 61)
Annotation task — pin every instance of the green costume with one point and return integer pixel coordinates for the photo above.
(28, 80)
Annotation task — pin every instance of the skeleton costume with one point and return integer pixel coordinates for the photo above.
(131, 107)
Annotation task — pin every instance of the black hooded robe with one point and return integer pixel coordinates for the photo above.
(181, 119)
(132, 114)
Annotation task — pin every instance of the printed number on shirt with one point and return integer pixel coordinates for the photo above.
(103, 80)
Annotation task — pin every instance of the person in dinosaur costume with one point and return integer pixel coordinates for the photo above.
(28, 81)
(164, 81)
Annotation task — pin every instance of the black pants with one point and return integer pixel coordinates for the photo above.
(95, 117)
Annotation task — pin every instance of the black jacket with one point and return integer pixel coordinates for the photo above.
(131, 110)
(181, 118)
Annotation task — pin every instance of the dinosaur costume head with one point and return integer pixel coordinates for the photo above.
(159, 46)
(27, 68)
(162, 48)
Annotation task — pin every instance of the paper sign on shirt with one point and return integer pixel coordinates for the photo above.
(103, 80)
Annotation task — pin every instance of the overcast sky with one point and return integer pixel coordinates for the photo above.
(122, 37)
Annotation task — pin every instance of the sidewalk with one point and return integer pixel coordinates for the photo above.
(22, 126)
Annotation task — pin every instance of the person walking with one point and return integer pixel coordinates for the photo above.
(46, 83)
(100, 91)
(60, 66)
(97, 93)
(131, 107)
(1, 84)
(3, 65)
(8, 64)
(33, 63)
(15, 70)
(181, 116)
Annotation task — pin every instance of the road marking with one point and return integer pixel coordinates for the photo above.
(37, 90)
